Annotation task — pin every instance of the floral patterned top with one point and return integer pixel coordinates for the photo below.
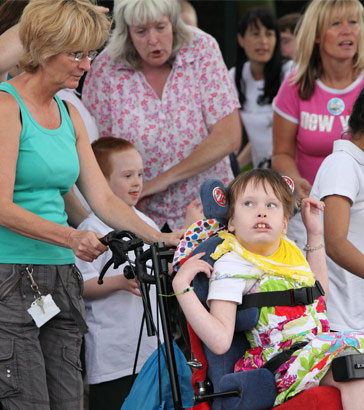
(198, 93)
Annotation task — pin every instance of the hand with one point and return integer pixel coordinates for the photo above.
(194, 212)
(302, 188)
(103, 9)
(172, 238)
(130, 285)
(310, 211)
(155, 185)
(189, 270)
(86, 244)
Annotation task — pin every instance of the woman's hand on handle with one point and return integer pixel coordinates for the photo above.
(86, 245)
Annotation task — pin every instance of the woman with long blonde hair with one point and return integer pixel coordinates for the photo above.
(314, 103)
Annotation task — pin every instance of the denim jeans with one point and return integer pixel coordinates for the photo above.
(40, 368)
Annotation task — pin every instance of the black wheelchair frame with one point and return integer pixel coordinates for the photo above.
(122, 242)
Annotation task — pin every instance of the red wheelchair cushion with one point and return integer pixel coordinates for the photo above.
(315, 398)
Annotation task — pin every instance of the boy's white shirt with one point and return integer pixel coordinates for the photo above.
(113, 321)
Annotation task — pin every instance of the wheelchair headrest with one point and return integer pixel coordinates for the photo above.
(215, 208)
(214, 200)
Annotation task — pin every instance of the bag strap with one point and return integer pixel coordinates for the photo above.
(66, 106)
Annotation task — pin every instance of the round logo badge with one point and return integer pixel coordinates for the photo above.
(219, 196)
(336, 106)
(289, 182)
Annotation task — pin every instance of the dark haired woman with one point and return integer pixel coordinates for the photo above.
(257, 76)
(340, 184)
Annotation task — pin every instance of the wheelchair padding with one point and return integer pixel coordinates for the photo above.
(246, 318)
(315, 398)
(213, 199)
(200, 282)
(258, 390)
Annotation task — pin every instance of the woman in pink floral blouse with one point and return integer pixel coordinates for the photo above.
(164, 86)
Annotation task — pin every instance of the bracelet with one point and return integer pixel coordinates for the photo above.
(309, 248)
(179, 293)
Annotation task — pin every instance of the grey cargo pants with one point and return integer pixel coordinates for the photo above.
(40, 368)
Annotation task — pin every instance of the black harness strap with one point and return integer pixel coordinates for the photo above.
(273, 364)
(290, 297)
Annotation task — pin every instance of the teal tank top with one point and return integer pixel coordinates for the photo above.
(47, 168)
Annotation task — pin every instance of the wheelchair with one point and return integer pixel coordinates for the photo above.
(216, 386)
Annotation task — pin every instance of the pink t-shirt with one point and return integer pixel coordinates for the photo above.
(321, 120)
(198, 93)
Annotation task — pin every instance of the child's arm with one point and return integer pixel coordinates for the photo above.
(74, 209)
(10, 51)
(336, 230)
(214, 328)
(92, 290)
(310, 211)
(193, 213)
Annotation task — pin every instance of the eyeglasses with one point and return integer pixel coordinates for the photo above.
(81, 55)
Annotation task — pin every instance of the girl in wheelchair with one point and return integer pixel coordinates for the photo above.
(255, 257)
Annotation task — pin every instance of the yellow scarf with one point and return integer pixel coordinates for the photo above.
(288, 261)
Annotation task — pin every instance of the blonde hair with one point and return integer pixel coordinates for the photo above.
(137, 12)
(313, 26)
(50, 27)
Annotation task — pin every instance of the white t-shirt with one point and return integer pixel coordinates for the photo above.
(114, 321)
(257, 119)
(342, 173)
(90, 123)
(230, 289)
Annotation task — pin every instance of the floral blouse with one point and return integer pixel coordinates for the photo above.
(198, 93)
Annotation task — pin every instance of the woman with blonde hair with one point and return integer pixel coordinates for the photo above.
(164, 87)
(314, 103)
(44, 151)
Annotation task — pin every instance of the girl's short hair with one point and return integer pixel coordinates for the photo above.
(265, 177)
(50, 27)
(313, 26)
(137, 12)
(273, 76)
(104, 147)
